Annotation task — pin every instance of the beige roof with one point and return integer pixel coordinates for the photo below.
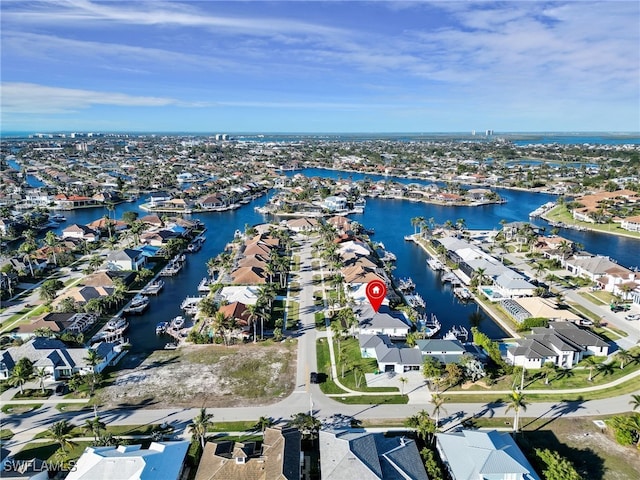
(547, 308)
(249, 275)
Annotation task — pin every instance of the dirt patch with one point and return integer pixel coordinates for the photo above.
(210, 375)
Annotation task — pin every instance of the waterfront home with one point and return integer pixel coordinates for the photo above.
(247, 294)
(608, 274)
(152, 220)
(126, 259)
(160, 461)
(237, 312)
(158, 198)
(57, 359)
(386, 321)
(390, 358)
(107, 225)
(599, 206)
(475, 455)
(631, 224)
(445, 351)
(335, 203)
(82, 294)
(537, 307)
(157, 238)
(278, 458)
(354, 246)
(562, 343)
(107, 278)
(81, 232)
(249, 276)
(56, 323)
(69, 202)
(340, 223)
(368, 456)
(211, 202)
(25, 267)
(302, 224)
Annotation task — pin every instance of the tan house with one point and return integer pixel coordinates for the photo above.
(249, 276)
(278, 458)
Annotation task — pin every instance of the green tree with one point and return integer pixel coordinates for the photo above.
(307, 424)
(60, 432)
(635, 401)
(49, 289)
(93, 358)
(40, 374)
(94, 426)
(516, 403)
(200, 425)
(556, 467)
(263, 423)
(625, 356)
(51, 240)
(423, 424)
(434, 472)
(22, 372)
(547, 369)
(438, 401)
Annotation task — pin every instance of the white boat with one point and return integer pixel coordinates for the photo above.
(457, 333)
(161, 327)
(116, 324)
(138, 305)
(58, 218)
(416, 301)
(153, 288)
(170, 346)
(435, 264)
(177, 323)
(406, 285)
(203, 286)
(462, 293)
(429, 326)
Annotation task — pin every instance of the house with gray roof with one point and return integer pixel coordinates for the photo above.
(385, 321)
(161, 461)
(563, 343)
(445, 351)
(476, 455)
(368, 456)
(58, 360)
(126, 259)
(390, 358)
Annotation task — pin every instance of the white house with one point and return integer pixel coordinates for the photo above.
(81, 232)
(562, 343)
(385, 321)
(390, 358)
(127, 259)
(335, 203)
(161, 461)
(472, 454)
(58, 360)
(631, 223)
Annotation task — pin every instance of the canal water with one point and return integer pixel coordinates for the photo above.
(391, 220)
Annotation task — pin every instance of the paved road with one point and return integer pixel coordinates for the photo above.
(308, 397)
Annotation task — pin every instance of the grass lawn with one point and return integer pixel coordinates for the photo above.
(374, 400)
(5, 434)
(293, 312)
(240, 426)
(560, 213)
(320, 320)
(115, 430)
(14, 408)
(34, 393)
(44, 451)
(585, 312)
(592, 298)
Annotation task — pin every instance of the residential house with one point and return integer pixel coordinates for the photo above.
(302, 224)
(385, 321)
(249, 276)
(445, 351)
(127, 259)
(82, 294)
(562, 343)
(239, 313)
(69, 202)
(278, 458)
(58, 360)
(81, 232)
(390, 358)
(483, 455)
(24, 265)
(247, 294)
(157, 238)
(212, 202)
(56, 323)
(631, 224)
(335, 203)
(157, 198)
(368, 456)
(160, 461)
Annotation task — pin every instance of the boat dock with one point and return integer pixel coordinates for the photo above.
(153, 288)
(174, 266)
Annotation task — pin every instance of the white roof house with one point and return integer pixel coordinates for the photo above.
(161, 461)
(476, 455)
(244, 294)
(385, 321)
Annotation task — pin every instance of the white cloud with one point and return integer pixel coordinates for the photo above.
(30, 98)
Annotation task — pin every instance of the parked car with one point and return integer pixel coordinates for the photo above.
(313, 377)
(61, 389)
(632, 316)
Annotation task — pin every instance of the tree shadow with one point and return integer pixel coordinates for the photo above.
(565, 407)
(586, 461)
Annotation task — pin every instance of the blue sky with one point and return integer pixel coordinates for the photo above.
(206, 66)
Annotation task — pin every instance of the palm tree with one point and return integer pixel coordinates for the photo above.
(93, 358)
(21, 373)
(547, 369)
(625, 356)
(635, 401)
(94, 426)
(423, 424)
(590, 362)
(200, 425)
(403, 381)
(95, 261)
(438, 402)
(61, 433)
(263, 423)
(254, 314)
(52, 241)
(41, 374)
(414, 223)
(516, 403)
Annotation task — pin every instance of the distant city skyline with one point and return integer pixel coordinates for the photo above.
(336, 67)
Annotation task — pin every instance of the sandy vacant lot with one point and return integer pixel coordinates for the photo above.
(212, 375)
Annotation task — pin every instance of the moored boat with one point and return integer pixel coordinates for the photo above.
(138, 304)
(153, 288)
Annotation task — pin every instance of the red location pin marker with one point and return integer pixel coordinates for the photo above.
(376, 291)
